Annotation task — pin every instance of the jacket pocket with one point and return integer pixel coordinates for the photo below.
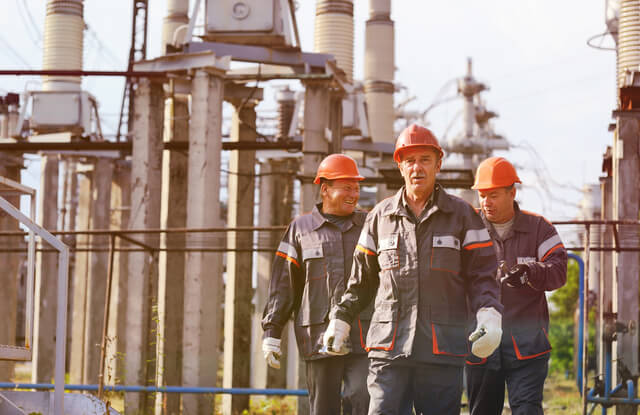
(530, 343)
(448, 332)
(314, 305)
(383, 328)
(445, 254)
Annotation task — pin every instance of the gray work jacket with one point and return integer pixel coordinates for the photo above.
(421, 276)
(525, 321)
(309, 276)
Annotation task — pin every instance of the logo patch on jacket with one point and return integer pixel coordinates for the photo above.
(313, 252)
(390, 242)
(525, 259)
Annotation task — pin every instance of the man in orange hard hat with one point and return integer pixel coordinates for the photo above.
(532, 260)
(422, 255)
(309, 275)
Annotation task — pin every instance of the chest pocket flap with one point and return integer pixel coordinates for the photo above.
(445, 254)
(312, 252)
(388, 257)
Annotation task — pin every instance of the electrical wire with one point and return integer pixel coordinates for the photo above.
(15, 53)
(29, 23)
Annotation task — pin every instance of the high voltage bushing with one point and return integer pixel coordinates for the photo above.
(71, 7)
(379, 86)
(334, 6)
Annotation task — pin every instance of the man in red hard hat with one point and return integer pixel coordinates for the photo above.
(422, 256)
(309, 275)
(532, 260)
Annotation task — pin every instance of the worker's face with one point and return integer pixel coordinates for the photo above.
(419, 166)
(497, 204)
(340, 197)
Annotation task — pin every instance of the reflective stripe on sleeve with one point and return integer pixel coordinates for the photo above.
(549, 245)
(365, 250)
(287, 252)
(476, 238)
(366, 244)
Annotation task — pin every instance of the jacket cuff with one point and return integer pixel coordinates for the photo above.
(273, 332)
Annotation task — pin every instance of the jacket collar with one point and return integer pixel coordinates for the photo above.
(441, 199)
(519, 223)
(318, 219)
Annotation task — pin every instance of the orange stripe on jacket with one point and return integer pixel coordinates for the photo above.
(551, 250)
(365, 250)
(288, 258)
(478, 245)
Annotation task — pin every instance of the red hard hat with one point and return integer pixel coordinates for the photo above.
(495, 172)
(416, 136)
(337, 166)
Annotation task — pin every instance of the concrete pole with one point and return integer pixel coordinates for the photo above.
(145, 213)
(203, 270)
(314, 149)
(120, 207)
(379, 72)
(46, 277)
(626, 205)
(81, 270)
(10, 168)
(173, 215)
(605, 300)
(275, 208)
(314, 144)
(98, 268)
(239, 290)
(171, 264)
(276, 197)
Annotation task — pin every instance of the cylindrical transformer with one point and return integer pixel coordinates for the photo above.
(286, 105)
(63, 39)
(334, 32)
(379, 67)
(628, 39)
(176, 19)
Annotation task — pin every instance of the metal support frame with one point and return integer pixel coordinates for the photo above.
(62, 283)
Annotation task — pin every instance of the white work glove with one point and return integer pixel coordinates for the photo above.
(271, 350)
(335, 338)
(488, 332)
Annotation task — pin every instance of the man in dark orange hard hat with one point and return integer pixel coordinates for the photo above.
(532, 260)
(422, 256)
(309, 275)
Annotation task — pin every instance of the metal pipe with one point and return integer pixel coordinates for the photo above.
(585, 316)
(580, 262)
(105, 322)
(161, 389)
(78, 72)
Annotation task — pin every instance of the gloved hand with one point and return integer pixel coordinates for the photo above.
(271, 350)
(517, 276)
(335, 338)
(488, 332)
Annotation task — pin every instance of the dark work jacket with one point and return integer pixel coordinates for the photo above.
(309, 275)
(420, 274)
(525, 321)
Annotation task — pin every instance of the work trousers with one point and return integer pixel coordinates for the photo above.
(525, 382)
(433, 389)
(337, 380)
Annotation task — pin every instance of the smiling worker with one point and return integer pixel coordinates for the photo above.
(309, 276)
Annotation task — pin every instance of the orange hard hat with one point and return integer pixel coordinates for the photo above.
(495, 172)
(337, 166)
(416, 136)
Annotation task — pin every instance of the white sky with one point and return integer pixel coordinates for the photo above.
(554, 94)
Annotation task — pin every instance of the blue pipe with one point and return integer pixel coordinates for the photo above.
(580, 262)
(163, 389)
